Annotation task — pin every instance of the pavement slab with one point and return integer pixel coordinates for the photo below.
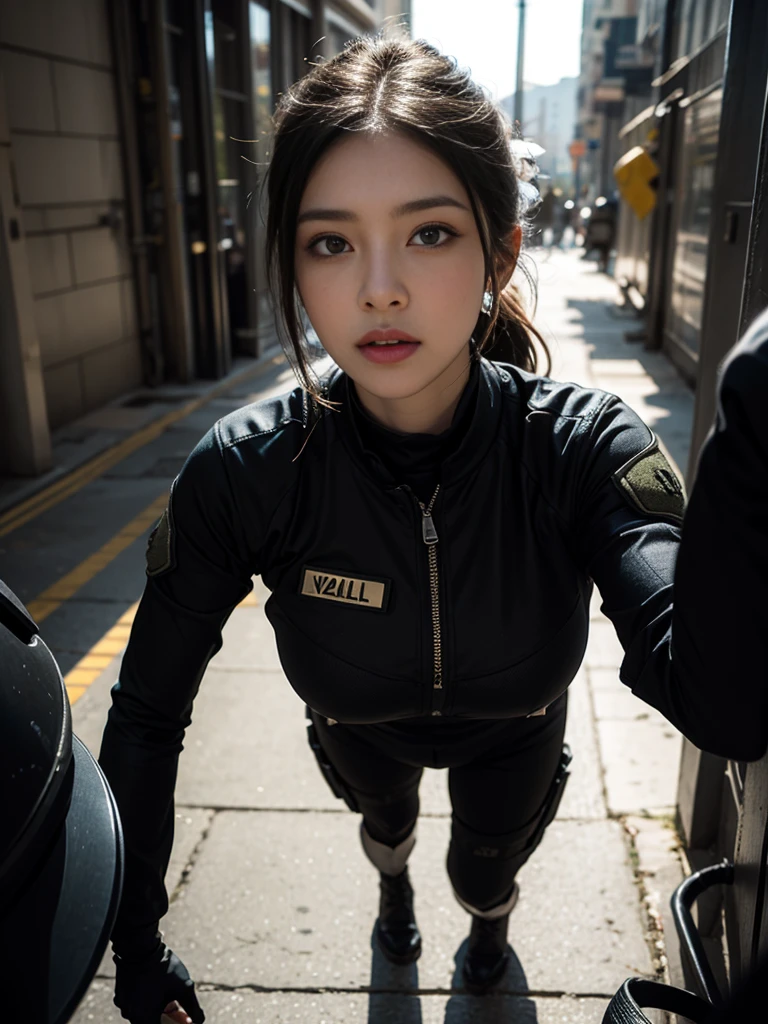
(247, 747)
(248, 639)
(641, 761)
(583, 796)
(247, 1007)
(190, 826)
(615, 700)
(604, 648)
(639, 749)
(288, 901)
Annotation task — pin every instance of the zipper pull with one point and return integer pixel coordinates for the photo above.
(428, 531)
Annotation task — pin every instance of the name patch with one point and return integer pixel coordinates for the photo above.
(355, 591)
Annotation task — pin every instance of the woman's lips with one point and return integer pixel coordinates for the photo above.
(386, 334)
(389, 353)
(400, 345)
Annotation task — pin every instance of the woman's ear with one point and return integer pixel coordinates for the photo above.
(506, 271)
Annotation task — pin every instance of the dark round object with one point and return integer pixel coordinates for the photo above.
(636, 993)
(61, 851)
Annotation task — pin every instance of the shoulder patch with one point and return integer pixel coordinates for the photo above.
(649, 483)
(159, 546)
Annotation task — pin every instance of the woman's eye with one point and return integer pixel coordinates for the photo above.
(430, 236)
(334, 245)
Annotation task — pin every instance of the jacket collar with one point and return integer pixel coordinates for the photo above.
(480, 433)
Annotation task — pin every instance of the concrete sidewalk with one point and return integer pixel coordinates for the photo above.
(273, 902)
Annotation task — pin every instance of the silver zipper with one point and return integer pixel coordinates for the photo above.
(429, 535)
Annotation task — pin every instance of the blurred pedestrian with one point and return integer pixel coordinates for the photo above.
(601, 230)
(559, 218)
(541, 224)
(525, 154)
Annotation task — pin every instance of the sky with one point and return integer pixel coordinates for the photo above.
(482, 35)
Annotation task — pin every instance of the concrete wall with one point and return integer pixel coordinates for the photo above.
(65, 145)
(23, 416)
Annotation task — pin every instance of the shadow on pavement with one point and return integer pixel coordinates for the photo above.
(494, 1007)
(394, 997)
(673, 398)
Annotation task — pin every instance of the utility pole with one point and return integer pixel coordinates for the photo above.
(518, 114)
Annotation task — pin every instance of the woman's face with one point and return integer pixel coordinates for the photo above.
(386, 241)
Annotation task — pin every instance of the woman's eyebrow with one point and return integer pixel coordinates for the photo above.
(414, 206)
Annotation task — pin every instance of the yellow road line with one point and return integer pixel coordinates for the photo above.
(76, 480)
(90, 667)
(51, 598)
(112, 644)
(89, 471)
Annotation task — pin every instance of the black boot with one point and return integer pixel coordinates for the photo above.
(396, 929)
(487, 953)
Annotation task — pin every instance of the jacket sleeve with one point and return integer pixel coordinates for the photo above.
(199, 567)
(720, 620)
(628, 538)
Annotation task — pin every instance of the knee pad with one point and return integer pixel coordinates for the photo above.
(482, 867)
(492, 913)
(390, 860)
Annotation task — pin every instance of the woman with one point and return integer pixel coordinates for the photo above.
(429, 523)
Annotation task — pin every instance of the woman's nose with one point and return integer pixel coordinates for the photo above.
(383, 287)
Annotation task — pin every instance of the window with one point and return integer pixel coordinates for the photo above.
(694, 204)
(261, 67)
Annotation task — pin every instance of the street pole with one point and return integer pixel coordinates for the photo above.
(518, 116)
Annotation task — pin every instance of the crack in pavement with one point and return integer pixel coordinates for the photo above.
(192, 860)
(210, 986)
(437, 815)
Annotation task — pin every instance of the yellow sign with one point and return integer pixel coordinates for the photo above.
(634, 174)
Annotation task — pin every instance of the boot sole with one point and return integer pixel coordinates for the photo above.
(400, 959)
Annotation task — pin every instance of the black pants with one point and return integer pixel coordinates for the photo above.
(500, 780)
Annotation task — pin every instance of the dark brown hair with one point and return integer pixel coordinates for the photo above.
(407, 86)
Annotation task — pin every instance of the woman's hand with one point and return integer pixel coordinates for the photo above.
(177, 1013)
(156, 986)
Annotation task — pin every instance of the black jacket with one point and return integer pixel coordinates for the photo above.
(553, 486)
(720, 623)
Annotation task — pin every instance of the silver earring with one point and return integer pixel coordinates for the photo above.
(487, 303)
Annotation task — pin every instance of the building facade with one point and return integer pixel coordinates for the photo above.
(611, 72)
(132, 137)
(549, 118)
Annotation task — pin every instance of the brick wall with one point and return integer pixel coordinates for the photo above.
(65, 145)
